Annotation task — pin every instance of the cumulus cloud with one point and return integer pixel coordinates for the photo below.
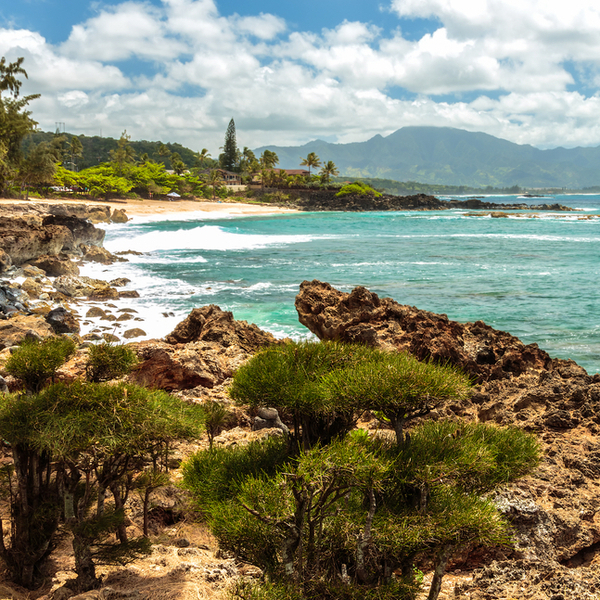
(525, 70)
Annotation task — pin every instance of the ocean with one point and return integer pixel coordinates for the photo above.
(537, 277)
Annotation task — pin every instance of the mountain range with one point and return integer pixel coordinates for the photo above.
(444, 155)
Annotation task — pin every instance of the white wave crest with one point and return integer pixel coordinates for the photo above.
(206, 237)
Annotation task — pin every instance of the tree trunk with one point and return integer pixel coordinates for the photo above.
(439, 571)
(84, 565)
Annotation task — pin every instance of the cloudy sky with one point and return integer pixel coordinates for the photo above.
(296, 70)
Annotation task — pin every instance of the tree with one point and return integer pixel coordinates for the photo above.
(39, 167)
(123, 155)
(312, 160)
(76, 151)
(202, 157)
(214, 179)
(395, 384)
(229, 159)
(329, 169)
(15, 121)
(72, 444)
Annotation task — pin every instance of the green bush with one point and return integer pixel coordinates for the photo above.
(358, 188)
(108, 361)
(34, 362)
(218, 475)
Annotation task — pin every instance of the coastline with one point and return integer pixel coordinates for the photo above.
(149, 208)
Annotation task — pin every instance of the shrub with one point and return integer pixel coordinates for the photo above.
(34, 362)
(108, 361)
(359, 188)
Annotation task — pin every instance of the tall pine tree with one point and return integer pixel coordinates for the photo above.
(229, 159)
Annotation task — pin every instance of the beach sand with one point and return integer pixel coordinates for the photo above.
(148, 208)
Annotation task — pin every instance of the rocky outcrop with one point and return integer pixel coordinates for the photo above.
(28, 238)
(82, 287)
(325, 200)
(361, 316)
(205, 350)
(186, 366)
(15, 329)
(95, 213)
(211, 324)
(555, 511)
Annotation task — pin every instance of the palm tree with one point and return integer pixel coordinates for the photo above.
(215, 177)
(202, 157)
(312, 160)
(329, 169)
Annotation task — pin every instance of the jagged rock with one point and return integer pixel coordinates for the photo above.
(55, 266)
(95, 213)
(211, 324)
(120, 282)
(362, 316)
(119, 216)
(31, 271)
(62, 321)
(28, 237)
(111, 338)
(100, 255)
(77, 287)
(32, 287)
(14, 330)
(129, 294)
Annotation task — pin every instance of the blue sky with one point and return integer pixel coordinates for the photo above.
(290, 72)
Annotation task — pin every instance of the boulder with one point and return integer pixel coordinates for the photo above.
(211, 324)
(119, 216)
(62, 321)
(14, 330)
(83, 232)
(55, 266)
(100, 255)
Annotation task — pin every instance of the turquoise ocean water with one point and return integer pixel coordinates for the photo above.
(537, 278)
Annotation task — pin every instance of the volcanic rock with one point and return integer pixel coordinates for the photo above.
(62, 321)
(5, 261)
(211, 324)
(55, 266)
(14, 330)
(361, 316)
(77, 287)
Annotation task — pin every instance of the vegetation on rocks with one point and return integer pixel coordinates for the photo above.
(351, 513)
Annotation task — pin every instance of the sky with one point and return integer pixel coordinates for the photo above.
(292, 71)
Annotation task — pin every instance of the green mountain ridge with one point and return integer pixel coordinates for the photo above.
(444, 155)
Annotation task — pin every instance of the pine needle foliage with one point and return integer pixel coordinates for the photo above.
(108, 361)
(35, 361)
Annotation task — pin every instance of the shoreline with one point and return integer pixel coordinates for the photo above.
(149, 208)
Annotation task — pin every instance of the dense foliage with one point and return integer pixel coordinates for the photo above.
(74, 446)
(334, 512)
(360, 188)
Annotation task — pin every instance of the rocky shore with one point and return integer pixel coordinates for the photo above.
(326, 200)
(555, 514)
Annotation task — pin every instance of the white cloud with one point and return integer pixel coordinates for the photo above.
(509, 68)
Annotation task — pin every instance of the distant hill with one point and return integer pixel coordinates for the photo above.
(443, 155)
(96, 149)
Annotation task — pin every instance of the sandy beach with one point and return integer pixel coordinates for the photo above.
(148, 208)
